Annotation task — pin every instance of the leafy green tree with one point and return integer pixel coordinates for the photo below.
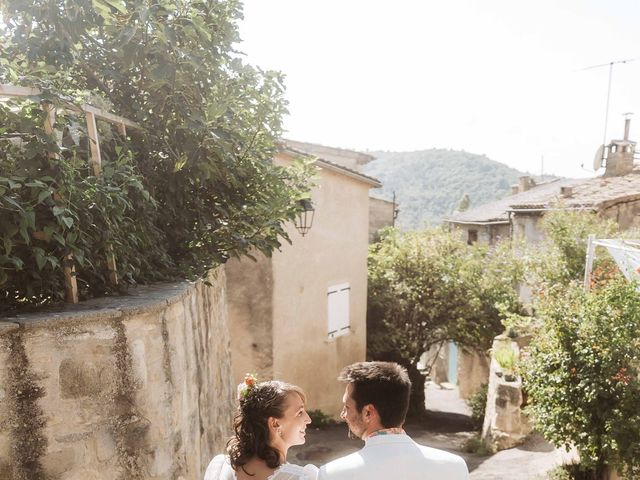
(561, 258)
(429, 287)
(199, 182)
(464, 204)
(582, 374)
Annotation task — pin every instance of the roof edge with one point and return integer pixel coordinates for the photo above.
(373, 182)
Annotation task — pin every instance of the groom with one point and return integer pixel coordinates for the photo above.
(376, 401)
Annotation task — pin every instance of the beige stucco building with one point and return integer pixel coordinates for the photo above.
(382, 213)
(300, 315)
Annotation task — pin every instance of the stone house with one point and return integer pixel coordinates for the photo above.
(300, 315)
(614, 195)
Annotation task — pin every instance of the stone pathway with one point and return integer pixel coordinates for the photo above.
(447, 427)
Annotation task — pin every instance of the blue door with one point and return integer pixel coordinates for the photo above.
(453, 364)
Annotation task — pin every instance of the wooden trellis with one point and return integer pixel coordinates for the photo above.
(91, 114)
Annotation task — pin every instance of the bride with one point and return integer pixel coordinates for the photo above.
(271, 417)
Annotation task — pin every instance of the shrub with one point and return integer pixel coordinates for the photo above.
(572, 471)
(478, 404)
(507, 358)
(582, 374)
(476, 445)
(321, 420)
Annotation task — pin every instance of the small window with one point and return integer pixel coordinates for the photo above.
(338, 309)
(472, 237)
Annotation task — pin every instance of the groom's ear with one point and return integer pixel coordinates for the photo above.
(369, 412)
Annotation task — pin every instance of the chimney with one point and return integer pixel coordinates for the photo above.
(566, 191)
(524, 183)
(627, 124)
(515, 189)
(620, 154)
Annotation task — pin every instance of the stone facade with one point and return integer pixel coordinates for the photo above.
(488, 234)
(135, 387)
(381, 215)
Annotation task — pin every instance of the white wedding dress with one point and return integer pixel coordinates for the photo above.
(220, 469)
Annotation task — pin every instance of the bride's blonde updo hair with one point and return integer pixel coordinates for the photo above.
(258, 402)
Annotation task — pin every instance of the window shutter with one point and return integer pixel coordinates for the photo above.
(338, 309)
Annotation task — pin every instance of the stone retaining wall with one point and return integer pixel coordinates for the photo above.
(133, 387)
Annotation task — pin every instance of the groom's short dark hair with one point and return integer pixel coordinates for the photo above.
(385, 385)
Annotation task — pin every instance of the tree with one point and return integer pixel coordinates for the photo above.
(582, 374)
(464, 204)
(203, 187)
(429, 287)
(561, 258)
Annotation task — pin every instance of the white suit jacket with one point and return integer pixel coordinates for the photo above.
(387, 457)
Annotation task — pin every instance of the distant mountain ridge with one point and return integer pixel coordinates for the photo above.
(430, 183)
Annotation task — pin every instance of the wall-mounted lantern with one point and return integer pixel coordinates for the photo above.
(304, 218)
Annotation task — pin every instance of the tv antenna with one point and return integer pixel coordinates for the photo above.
(599, 157)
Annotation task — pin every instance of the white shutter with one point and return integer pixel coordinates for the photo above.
(338, 309)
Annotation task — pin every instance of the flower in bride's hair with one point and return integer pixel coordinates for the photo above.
(249, 383)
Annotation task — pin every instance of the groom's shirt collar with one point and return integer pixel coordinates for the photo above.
(386, 431)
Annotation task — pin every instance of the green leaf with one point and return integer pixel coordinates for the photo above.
(68, 221)
(12, 202)
(60, 239)
(8, 245)
(44, 195)
(41, 259)
(58, 211)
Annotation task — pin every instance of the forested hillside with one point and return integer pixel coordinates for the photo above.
(430, 183)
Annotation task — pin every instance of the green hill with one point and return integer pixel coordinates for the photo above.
(430, 183)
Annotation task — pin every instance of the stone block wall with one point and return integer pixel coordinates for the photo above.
(134, 387)
(505, 425)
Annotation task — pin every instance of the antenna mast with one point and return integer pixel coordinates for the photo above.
(606, 112)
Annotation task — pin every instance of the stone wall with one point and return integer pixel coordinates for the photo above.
(134, 387)
(473, 372)
(505, 425)
(626, 214)
(381, 213)
(250, 306)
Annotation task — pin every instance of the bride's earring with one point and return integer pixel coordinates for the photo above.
(280, 433)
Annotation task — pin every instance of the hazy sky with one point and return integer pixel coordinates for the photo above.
(495, 77)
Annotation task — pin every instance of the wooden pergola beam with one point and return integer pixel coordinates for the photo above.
(13, 91)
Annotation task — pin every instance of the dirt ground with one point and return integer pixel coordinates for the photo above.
(447, 427)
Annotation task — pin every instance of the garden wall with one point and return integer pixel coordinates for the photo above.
(117, 388)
